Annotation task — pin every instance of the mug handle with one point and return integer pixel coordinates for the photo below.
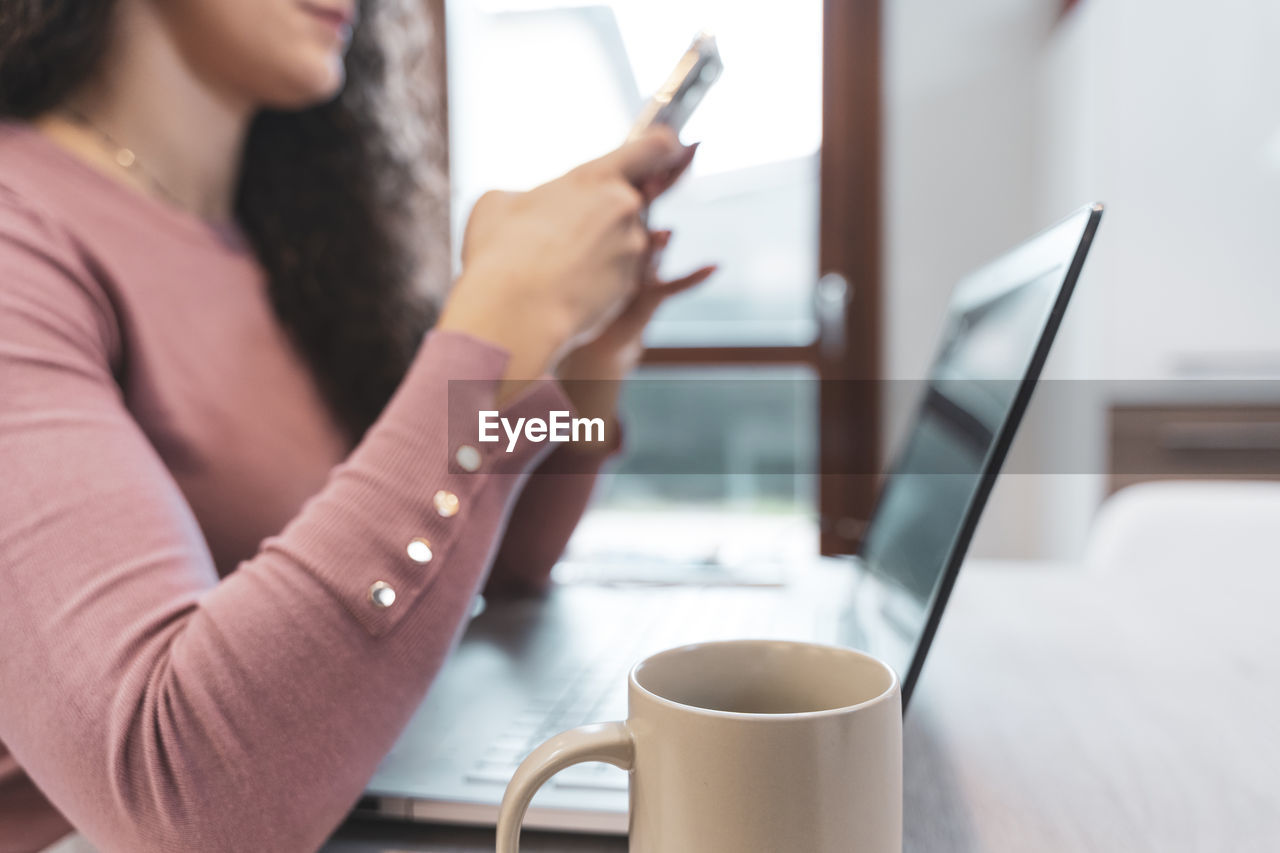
(607, 742)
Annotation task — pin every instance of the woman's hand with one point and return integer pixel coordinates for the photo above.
(593, 372)
(550, 267)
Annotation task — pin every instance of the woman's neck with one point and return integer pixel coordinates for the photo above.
(187, 136)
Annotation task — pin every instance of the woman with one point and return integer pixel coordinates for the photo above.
(212, 359)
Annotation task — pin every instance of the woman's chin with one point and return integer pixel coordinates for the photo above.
(311, 86)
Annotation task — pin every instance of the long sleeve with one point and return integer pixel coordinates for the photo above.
(160, 708)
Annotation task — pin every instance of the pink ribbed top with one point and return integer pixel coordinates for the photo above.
(189, 655)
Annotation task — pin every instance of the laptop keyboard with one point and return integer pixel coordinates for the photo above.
(589, 690)
(585, 693)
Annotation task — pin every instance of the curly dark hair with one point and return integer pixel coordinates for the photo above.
(345, 204)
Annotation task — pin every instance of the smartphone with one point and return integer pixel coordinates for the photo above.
(684, 89)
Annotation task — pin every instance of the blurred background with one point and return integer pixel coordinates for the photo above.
(858, 157)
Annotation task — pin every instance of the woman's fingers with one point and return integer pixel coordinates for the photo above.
(661, 181)
(658, 241)
(684, 282)
(656, 152)
(643, 305)
(657, 289)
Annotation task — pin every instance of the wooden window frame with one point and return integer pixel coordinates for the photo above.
(849, 257)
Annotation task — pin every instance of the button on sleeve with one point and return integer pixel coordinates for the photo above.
(416, 524)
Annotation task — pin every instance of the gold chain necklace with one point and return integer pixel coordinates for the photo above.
(123, 156)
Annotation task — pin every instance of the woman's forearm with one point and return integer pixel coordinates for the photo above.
(161, 709)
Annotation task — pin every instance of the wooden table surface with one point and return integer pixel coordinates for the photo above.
(1065, 711)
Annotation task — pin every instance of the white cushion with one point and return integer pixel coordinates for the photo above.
(1219, 526)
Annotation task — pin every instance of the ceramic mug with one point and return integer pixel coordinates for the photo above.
(745, 746)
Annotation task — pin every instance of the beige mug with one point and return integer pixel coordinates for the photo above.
(745, 746)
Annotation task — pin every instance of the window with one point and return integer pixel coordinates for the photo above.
(538, 87)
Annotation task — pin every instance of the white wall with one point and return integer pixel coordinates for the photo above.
(962, 169)
(1186, 101)
(1000, 120)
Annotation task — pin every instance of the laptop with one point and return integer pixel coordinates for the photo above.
(526, 670)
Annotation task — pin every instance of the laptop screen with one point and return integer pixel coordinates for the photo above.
(998, 329)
